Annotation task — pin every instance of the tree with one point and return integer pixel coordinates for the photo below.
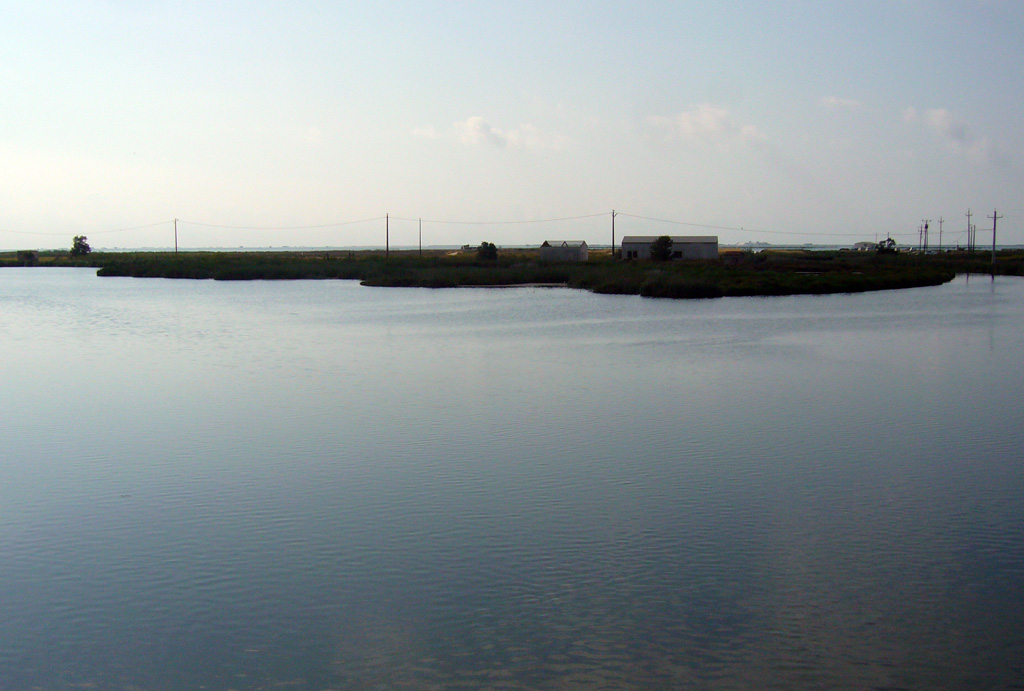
(887, 246)
(79, 246)
(661, 249)
(487, 251)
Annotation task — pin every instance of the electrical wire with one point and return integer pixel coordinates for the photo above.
(311, 227)
(93, 232)
(745, 230)
(435, 221)
(499, 223)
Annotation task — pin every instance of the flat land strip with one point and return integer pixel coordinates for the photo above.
(736, 273)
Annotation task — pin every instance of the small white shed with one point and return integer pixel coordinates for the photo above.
(564, 251)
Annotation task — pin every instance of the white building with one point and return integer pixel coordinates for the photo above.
(683, 246)
(564, 251)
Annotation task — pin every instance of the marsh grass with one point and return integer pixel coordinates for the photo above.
(736, 274)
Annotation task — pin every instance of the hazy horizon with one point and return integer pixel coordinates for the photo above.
(260, 124)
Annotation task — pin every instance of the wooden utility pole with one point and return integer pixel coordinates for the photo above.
(387, 237)
(613, 233)
(940, 233)
(175, 236)
(421, 238)
(995, 217)
(970, 240)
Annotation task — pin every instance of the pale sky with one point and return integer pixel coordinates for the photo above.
(822, 122)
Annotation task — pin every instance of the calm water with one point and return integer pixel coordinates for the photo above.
(316, 485)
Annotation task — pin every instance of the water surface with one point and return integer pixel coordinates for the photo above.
(317, 485)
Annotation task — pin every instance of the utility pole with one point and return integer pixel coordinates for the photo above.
(920, 237)
(995, 217)
(613, 233)
(940, 233)
(970, 244)
(421, 238)
(175, 236)
(387, 237)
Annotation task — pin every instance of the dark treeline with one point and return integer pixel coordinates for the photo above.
(737, 273)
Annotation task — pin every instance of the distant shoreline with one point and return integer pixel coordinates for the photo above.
(735, 273)
(747, 247)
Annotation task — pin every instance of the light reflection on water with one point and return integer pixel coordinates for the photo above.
(243, 485)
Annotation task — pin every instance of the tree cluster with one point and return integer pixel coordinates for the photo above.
(661, 249)
(80, 246)
(887, 246)
(487, 251)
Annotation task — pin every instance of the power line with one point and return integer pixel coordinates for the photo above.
(995, 217)
(28, 232)
(680, 223)
(310, 227)
(500, 223)
(745, 230)
(92, 232)
(420, 221)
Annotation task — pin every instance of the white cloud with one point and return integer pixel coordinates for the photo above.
(835, 102)
(947, 125)
(702, 123)
(427, 132)
(955, 132)
(477, 132)
(910, 114)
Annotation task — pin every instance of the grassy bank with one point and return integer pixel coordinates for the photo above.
(735, 274)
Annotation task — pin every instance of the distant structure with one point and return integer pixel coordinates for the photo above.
(683, 246)
(865, 246)
(564, 251)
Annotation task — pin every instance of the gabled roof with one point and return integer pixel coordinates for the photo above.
(564, 243)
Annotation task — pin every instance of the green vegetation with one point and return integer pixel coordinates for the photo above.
(46, 258)
(735, 274)
(27, 257)
(80, 246)
(661, 249)
(487, 251)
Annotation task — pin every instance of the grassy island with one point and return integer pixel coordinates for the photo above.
(739, 273)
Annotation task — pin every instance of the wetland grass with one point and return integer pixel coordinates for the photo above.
(734, 274)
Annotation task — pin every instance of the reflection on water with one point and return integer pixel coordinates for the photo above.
(316, 485)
